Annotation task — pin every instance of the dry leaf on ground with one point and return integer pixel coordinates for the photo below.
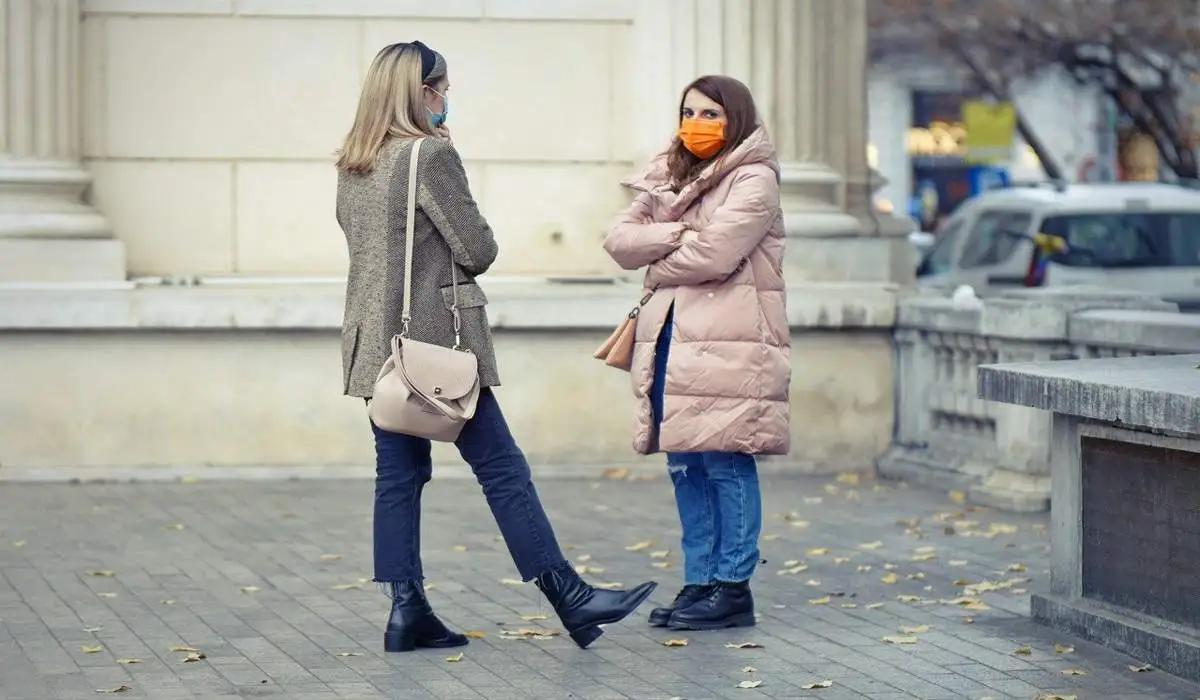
(675, 643)
(957, 562)
(871, 545)
(584, 570)
(615, 474)
(958, 496)
(347, 586)
(583, 558)
(819, 601)
(194, 657)
(92, 629)
(750, 684)
(849, 606)
(330, 557)
(849, 478)
(919, 629)
(610, 586)
(129, 662)
(182, 648)
(118, 689)
(863, 568)
(813, 500)
(512, 582)
(909, 598)
(175, 527)
(107, 595)
(1023, 651)
(87, 649)
(1055, 696)
(749, 669)
(454, 659)
(1073, 672)
(249, 589)
(1063, 649)
(459, 548)
(1018, 568)
(1141, 669)
(661, 554)
(744, 645)
(639, 546)
(840, 560)
(661, 564)
(102, 574)
(817, 552)
(818, 684)
(347, 654)
(900, 640)
(798, 568)
(534, 618)
(475, 634)
(875, 606)
(20, 543)
(890, 578)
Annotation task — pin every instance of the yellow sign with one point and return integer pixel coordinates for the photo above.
(989, 127)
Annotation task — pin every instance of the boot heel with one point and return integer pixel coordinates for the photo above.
(743, 620)
(585, 636)
(395, 642)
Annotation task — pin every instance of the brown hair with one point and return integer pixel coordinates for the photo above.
(741, 121)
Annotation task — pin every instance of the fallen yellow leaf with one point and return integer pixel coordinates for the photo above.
(610, 586)
(583, 558)
(909, 598)
(812, 582)
(750, 684)
(347, 586)
(840, 560)
(900, 640)
(347, 654)
(675, 643)
(890, 578)
(957, 562)
(182, 648)
(1063, 648)
(20, 543)
(849, 606)
(770, 538)
(661, 564)
(459, 548)
(454, 659)
(863, 568)
(330, 557)
(925, 557)
(874, 606)
(871, 545)
(1141, 669)
(194, 657)
(92, 629)
(661, 554)
(475, 634)
(582, 570)
(512, 582)
(91, 649)
(817, 552)
(615, 474)
(749, 669)
(102, 574)
(534, 618)
(919, 629)
(118, 689)
(249, 589)
(798, 568)
(1073, 672)
(958, 496)
(1023, 651)
(818, 684)
(1055, 696)
(849, 478)
(819, 601)
(639, 546)
(744, 645)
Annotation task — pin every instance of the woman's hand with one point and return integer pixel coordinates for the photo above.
(444, 132)
(687, 235)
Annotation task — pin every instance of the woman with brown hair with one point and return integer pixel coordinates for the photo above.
(403, 110)
(711, 363)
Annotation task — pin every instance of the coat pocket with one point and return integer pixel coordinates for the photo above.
(469, 296)
(349, 350)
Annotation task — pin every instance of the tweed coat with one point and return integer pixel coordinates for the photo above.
(449, 230)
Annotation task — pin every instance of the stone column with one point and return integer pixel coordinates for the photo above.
(806, 62)
(48, 234)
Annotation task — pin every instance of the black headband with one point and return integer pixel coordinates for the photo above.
(428, 60)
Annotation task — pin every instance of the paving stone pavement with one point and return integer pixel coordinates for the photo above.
(269, 580)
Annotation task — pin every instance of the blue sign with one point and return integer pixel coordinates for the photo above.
(987, 177)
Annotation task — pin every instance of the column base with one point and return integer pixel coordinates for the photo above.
(1014, 492)
(51, 261)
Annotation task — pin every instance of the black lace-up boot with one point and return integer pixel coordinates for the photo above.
(726, 605)
(688, 595)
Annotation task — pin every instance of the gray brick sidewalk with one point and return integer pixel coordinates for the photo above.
(267, 579)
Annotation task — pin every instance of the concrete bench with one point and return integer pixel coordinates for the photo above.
(1125, 500)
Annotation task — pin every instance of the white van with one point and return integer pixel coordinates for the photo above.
(1139, 236)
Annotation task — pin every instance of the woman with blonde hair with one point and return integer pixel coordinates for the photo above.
(403, 108)
(710, 361)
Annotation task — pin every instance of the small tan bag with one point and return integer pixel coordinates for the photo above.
(617, 351)
(425, 390)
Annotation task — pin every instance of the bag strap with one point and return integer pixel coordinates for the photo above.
(410, 220)
(645, 300)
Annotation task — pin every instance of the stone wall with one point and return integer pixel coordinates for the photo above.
(948, 437)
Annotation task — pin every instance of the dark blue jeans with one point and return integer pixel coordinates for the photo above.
(403, 465)
(717, 494)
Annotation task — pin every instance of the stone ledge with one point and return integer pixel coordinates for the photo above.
(1158, 393)
(515, 303)
(1160, 331)
(1163, 646)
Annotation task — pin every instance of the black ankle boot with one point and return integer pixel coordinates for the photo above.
(688, 595)
(582, 608)
(726, 605)
(412, 623)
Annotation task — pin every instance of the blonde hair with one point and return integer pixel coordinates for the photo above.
(392, 105)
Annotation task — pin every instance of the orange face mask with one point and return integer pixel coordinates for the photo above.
(702, 137)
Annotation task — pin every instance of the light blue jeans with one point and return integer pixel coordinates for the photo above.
(718, 497)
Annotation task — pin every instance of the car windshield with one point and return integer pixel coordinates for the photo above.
(1128, 239)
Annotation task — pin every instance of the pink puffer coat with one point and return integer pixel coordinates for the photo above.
(729, 368)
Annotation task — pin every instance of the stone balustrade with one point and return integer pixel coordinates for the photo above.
(948, 437)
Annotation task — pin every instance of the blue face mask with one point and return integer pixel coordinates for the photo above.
(439, 118)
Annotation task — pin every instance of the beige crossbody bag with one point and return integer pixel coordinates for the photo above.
(425, 390)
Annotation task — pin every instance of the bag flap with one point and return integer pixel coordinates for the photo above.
(438, 372)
